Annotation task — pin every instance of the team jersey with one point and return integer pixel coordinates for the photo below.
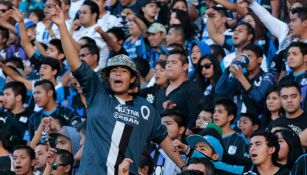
(115, 129)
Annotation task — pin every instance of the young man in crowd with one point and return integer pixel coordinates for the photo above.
(13, 113)
(90, 54)
(247, 90)
(59, 162)
(41, 153)
(202, 164)
(264, 149)
(181, 92)
(23, 160)
(224, 114)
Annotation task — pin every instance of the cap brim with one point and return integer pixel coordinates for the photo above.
(54, 135)
(193, 139)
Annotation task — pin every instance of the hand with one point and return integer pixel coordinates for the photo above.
(51, 155)
(168, 105)
(179, 146)
(123, 168)
(99, 30)
(75, 25)
(211, 12)
(46, 121)
(47, 23)
(127, 12)
(16, 15)
(57, 16)
(237, 73)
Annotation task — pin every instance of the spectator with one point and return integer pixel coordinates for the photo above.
(248, 124)
(59, 162)
(202, 164)
(41, 152)
(23, 160)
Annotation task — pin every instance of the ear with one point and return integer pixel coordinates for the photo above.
(54, 72)
(224, 19)
(215, 156)
(255, 127)
(61, 56)
(231, 117)
(67, 168)
(249, 37)
(272, 150)
(305, 59)
(18, 98)
(185, 66)
(33, 162)
(260, 60)
(50, 93)
(133, 78)
(181, 130)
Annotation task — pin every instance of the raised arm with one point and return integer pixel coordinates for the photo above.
(113, 45)
(233, 6)
(70, 50)
(24, 39)
(217, 37)
(15, 76)
(168, 148)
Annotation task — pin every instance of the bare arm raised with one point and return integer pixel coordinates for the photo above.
(70, 50)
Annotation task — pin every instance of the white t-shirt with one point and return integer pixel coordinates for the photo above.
(108, 21)
(75, 6)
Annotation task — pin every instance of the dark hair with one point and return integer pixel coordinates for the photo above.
(178, 29)
(175, 114)
(4, 33)
(18, 88)
(175, 1)
(217, 71)
(57, 44)
(62, 120)
(250, 30)
(301, 12)
(38, 12)
(93, 49)
(53, 63)
(28, 149)
(10, 136)
(260, 29)
(302, 47)
(267, 114)
(209, 167)
(271, 141)
(142, 66)
(118, 33)
(66, 158)
(254, 48)
(288, 82)
(146, 160)
(175, 48)
(186, 23)
(93, 7)
(294, 144)
(9, 4)
(47, 86)
(254, 119)
(66, 2)
(16, 61)
(88, 40)
(229, 106)
(191, 172)
(217, 50)
(162, 63)
(221, 10)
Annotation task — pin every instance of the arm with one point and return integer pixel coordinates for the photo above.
(232, 6)
(132, 17)
(39, 132)
(226, 85)
(275, 5)
(24, 39)
(50, 160)
(277, 27)
(113, 45)
(70, 51)
(217, 37)
(6, 24)
(166, 145)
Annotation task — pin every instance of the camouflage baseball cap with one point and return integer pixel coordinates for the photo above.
(120, 60)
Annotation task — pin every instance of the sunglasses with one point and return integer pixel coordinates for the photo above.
(55, 165)
(3, 10)
(206, 66)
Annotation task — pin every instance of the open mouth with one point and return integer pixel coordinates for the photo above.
(253, 156)
(18, 168)
(118, 82)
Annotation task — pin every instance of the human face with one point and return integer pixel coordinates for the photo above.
(125, 2)
(101, 4)
(88, 57)
(53, 52)
(206, 71)
(273, 102)
(219, 20)
(22, 162)
(240, 35)
(290, 100)
(41, 152)
(41, 96)
(33, 17)
(150, 10)
(171, 36)
(155, 39)
(204, 148)
(63, 143)
(133, 28)
(203, 117)
(220, 116)
(174, 19)
(49, 6)
(297, 26)
(31, 32)
(174, 67)
(284, 148)
(254, 61)
(61, 168)
(249, 19)
(79, 153)
(195, 54)
(246, 126)
(160, 76)
(9, 99)
(181, 6)
(46, 72)
(171, 125)
(259, 151)
(3, 9)
(86, 17)
(296, 59)
(120, 79)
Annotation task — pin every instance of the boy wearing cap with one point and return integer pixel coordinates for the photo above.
(119, 123)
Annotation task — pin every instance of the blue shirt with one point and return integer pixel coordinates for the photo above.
(115, 130)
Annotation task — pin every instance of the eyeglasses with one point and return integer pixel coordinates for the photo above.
(206, 66)
(84, 54)
(55, 165)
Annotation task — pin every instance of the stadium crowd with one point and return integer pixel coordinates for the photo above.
(163, 87)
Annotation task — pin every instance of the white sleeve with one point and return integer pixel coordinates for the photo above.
(277, 27)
